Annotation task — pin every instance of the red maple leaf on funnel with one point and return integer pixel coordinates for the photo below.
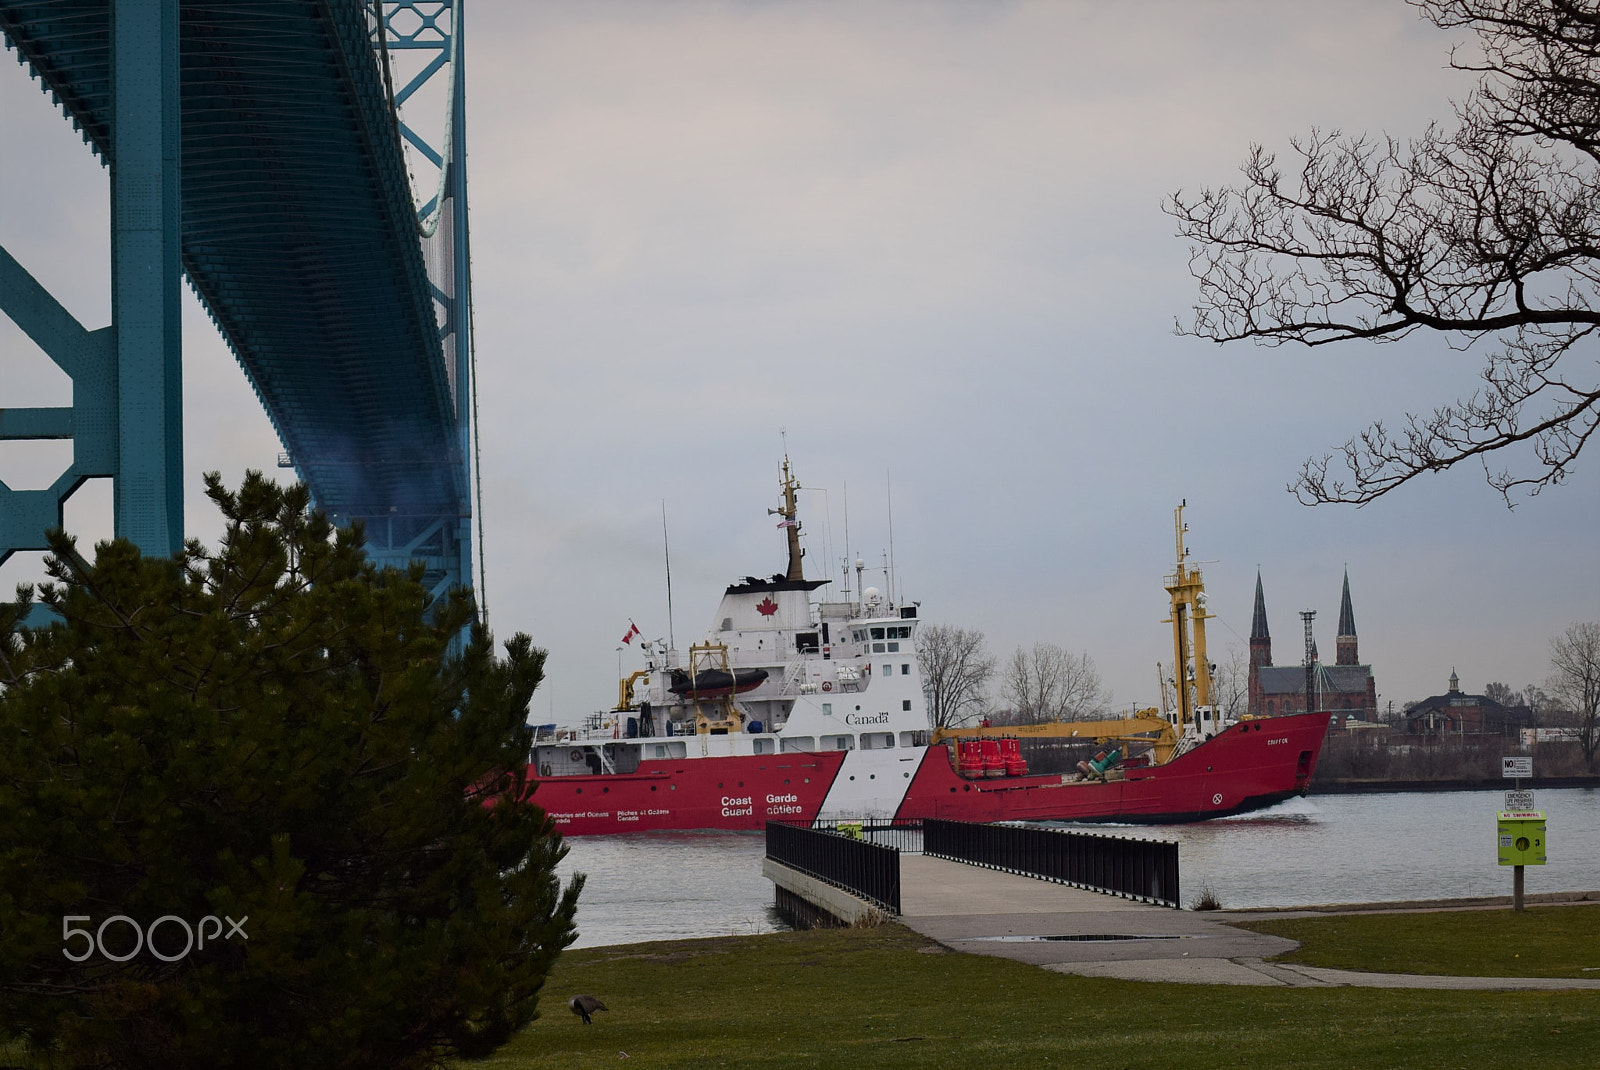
(767, 607)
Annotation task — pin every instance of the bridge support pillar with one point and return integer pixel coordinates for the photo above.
(145, 272)
(126, 417)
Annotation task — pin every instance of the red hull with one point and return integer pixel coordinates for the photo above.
(1249, 766)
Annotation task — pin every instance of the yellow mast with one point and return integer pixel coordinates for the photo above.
(789, 512)
(1188, 594)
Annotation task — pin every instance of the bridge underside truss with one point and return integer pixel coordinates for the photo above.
(294, 220)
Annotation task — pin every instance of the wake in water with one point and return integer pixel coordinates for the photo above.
(1295, 811)
(1291, 811)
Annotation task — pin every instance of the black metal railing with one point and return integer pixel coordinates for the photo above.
(1137, 869)
(869, 870)
(903, 836)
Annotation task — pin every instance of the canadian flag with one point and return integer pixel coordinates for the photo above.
(633, 630)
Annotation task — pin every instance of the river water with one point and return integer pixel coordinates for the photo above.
(1304, 852)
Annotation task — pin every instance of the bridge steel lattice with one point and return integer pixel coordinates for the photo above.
(256, 147)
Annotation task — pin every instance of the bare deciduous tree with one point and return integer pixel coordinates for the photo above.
(1230, 683)
(1499, 692)
(1575, 682)
(1488, 231)
(1047, 683)
(956, 670)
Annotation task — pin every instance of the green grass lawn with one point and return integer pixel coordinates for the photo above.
(1553, 941)
(872, 998)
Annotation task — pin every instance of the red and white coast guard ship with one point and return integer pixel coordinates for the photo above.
(796, 710)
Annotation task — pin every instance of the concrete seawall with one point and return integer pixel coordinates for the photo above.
(807, 903)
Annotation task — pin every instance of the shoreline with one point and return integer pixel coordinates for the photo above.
(1478, 902)
(1378, 787)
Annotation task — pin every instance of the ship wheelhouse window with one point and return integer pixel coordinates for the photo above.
(877, 648)
(799, 743)
(806, 642)
(894, 648)
(877, 633)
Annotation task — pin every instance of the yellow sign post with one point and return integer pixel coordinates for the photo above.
(1521, 843)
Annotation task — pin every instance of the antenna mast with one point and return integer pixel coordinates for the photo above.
(845, 561)
(888, 487)
(666, 551)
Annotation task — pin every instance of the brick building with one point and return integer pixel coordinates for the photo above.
(1456, 714)
(1347, 686)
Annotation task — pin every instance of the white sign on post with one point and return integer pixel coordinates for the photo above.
(1519, 800)
(1516, 767)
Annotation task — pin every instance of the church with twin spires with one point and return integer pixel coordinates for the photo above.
(1347, 686)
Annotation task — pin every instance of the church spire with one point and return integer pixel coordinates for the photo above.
(1346, 638)
(1347, 615)
(1260, 650)
(1258, 625)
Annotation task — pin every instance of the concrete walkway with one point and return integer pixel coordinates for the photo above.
(985, 912)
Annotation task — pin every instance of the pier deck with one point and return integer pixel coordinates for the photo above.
(985, 912)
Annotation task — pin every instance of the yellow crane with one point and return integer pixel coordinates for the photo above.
(1191, 677)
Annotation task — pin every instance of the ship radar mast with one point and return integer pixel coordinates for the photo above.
(1188, 620)
(790, 523)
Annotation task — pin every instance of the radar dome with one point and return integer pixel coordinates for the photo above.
(872, 594)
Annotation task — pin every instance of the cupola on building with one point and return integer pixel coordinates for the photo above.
(1455, 713)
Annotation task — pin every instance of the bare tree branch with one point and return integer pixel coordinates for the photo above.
(1487, 233)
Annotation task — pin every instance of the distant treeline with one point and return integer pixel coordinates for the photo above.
(1359, 758)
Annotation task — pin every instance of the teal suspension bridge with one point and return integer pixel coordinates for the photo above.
(260, 149)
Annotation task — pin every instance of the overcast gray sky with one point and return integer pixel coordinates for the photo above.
(926, 239)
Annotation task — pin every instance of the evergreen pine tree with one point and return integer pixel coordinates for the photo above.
(277, 731)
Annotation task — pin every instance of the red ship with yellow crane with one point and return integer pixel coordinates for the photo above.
(797, 707)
